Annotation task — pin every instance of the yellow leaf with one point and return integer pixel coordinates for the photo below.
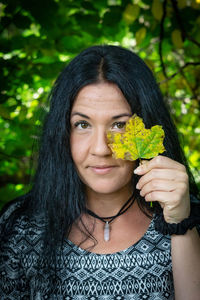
(157, 9)
(136, 142)
(131, 13)
(140, 35)
(177, 39)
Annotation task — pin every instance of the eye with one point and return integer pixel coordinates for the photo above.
(119, 125)
(83, 124)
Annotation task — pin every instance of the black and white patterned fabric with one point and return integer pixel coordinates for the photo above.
(142, 271)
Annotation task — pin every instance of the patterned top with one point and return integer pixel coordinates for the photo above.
(142, 271)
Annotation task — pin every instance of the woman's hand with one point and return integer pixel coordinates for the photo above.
(166, 181)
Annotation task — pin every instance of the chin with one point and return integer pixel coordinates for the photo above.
(106, 188)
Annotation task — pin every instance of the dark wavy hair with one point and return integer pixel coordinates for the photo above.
(57, 190)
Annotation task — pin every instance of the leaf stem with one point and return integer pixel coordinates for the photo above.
(140, 163)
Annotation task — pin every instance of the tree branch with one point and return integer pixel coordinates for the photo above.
(179, 71)
(5, 179)
(183, 31)
(162, 37)
(10, 156)
(190, 86)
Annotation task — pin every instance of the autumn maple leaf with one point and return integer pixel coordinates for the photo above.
(136, 142)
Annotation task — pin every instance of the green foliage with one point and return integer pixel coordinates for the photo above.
(38, 38)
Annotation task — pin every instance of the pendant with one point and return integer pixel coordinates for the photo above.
(107, 232)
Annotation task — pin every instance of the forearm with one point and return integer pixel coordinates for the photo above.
(186, 265)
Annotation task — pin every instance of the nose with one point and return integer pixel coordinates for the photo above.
(99, 144)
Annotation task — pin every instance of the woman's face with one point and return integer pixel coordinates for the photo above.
(97, 109)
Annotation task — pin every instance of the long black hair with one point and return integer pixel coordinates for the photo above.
(57, 190)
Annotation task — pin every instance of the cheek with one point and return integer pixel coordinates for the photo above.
(129, 166)
(127, 172)
(78, 148)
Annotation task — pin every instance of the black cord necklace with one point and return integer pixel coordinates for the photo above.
(105, 219)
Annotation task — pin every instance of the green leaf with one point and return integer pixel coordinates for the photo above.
(157, 9)
(140, 35)
(136, 142)
(177, 38)
(131, 13)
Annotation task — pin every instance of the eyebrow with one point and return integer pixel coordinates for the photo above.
(113, 118)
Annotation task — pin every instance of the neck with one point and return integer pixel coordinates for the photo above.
(105, 205)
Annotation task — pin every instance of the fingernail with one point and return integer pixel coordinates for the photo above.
(137, 170)
(137, 186)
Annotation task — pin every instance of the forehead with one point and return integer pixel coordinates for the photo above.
(102, 97)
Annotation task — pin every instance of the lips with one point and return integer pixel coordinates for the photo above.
(102, 166)
(101, 170)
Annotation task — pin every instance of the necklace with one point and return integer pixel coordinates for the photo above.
(130, 201)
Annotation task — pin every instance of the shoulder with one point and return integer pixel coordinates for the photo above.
(10, 208)
(18, 238)
(12, 212)
(16, 223)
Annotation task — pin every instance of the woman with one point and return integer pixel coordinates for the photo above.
(86, 230)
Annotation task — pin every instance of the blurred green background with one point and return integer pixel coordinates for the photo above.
(38, 38)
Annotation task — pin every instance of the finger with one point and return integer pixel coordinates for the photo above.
(159, 185)
(159, 196)
(165, 174)
(171, 199)
(157, 162)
